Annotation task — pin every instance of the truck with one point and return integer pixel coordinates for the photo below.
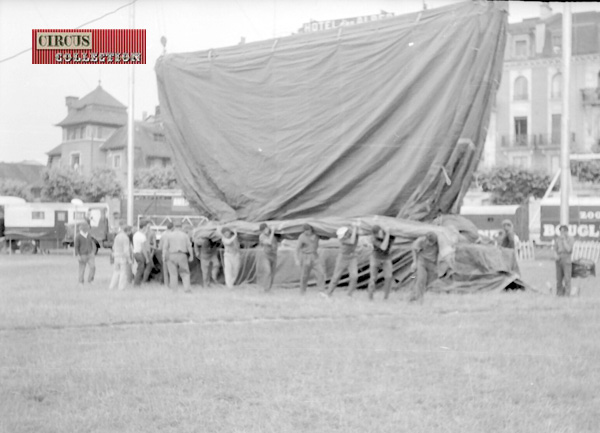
(488, 218)
(37, 227)
(584, 218)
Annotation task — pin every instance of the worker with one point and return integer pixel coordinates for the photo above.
(346, 259)
(177, 249)
(307, 257)
(231, 256)
(122, 256)
(208, 253)
(267, 257)
(381, 258)
(425, 253)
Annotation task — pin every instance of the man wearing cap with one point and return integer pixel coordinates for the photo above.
(122, 258)
(563, 248)
(85, 250)
(267, 259)
(381, 257)
(307, 257)
(231, 256)
(346, 258)
(177, 248)
(208, 253)
(425, 255)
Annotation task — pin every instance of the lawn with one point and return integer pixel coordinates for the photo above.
(83, 359)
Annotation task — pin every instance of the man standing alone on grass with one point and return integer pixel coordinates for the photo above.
(177, 249)
(85, 249)
(381, 257)
(122, 258)
(267, 259)
(346, 258)
(141, 254)
(307, 257)
(563, 248)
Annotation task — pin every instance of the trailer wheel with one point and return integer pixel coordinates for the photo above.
(27, 247)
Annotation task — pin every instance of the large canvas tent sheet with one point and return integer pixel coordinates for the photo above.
(382, 118)
(462, 266)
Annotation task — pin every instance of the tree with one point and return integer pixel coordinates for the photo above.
(513, 185)
(102, 183)
(64, 184)
(156, 178)
(15, 188)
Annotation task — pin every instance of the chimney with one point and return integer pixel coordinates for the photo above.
(70, 101)
(545, 10)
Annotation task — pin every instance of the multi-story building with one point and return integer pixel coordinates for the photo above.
(95, 136)
(525, 128)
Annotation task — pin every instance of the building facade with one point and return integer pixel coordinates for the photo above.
(95, 136)
(527, 117)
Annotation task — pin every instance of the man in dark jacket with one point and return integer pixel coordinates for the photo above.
(85, 250)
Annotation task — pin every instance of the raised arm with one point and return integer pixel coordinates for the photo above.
(386, 239)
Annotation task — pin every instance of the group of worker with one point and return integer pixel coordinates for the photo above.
(177, 251)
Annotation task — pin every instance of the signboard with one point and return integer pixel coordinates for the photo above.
(584, 220)
(315, 26)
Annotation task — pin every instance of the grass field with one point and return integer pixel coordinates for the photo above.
(83, 359)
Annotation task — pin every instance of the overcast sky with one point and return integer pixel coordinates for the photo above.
(32, 97)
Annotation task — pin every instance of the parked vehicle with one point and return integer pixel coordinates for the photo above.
(584, 218)
(35, 227)
(488, 218)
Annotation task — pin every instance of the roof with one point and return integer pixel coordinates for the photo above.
(98, 96)
(30, 174)
(97, 107)
(145, 139)
(57, 151)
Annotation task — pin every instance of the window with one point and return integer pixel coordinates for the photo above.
(521, 131)
(71, 133)
(521, 93)
(556, 128)
(556, 43)
(556, 86)
(82, 132)
(156, 162)
(37, 215)
(521, 49)
(79, 215)
(100, 131)
(61, 216)
(116, 161)
(159, 137)
(75, 160)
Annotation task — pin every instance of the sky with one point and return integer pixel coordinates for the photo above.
(32, 97)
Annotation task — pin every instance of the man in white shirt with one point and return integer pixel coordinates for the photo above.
(122, 258)
(141, 254)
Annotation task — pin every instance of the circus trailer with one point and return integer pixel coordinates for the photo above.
(38, 227)
(488, 219)
(584, 218)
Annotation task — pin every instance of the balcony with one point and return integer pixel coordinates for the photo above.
(529, 142)
(591, 96)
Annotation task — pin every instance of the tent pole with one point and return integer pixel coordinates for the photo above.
(565, 130)
(130, 132)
